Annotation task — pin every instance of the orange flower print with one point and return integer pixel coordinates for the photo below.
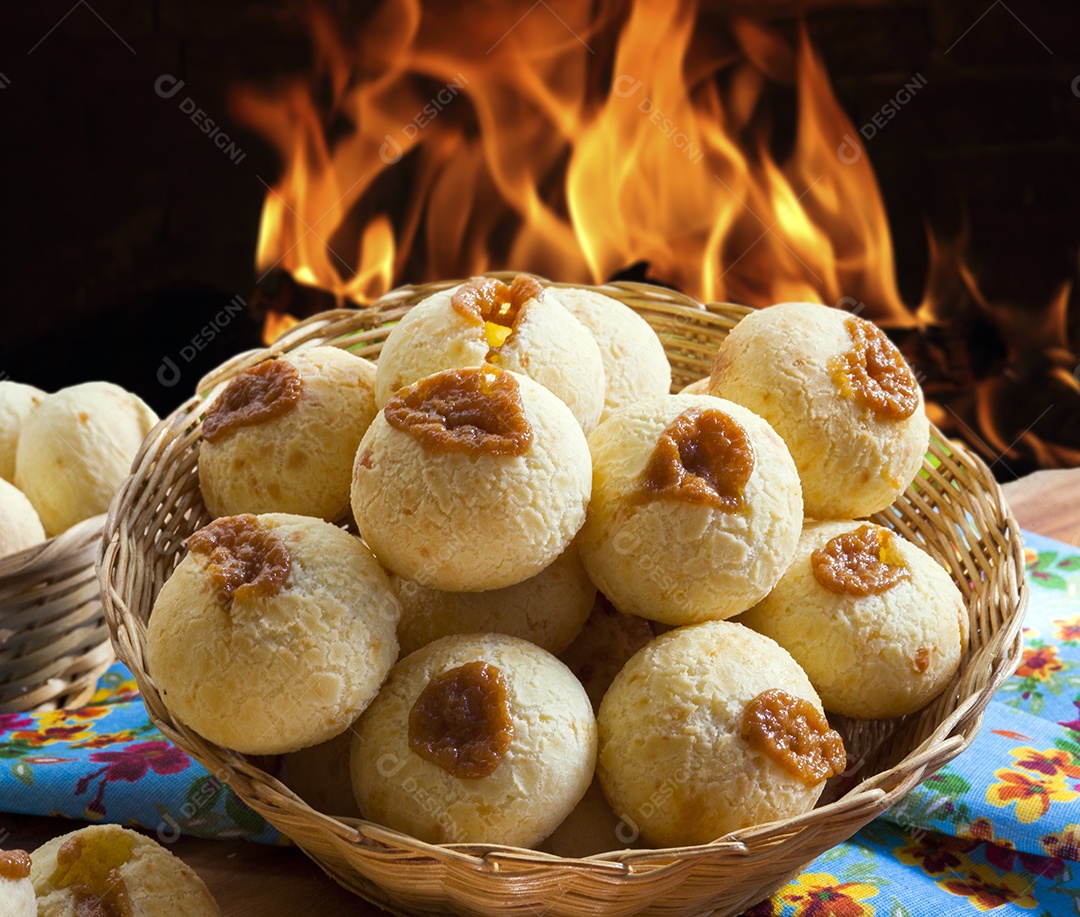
(60, 726)
(1053, 761)
(1041, 663)
(51, 734)
(936, 853)
(986, 889)
(1064, 844)
(817, 894)
(1032, 795)
(87, 713)
(982, 830)
(1068, 630)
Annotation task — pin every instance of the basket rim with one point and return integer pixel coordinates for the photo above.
(954, 733)
(45, 553)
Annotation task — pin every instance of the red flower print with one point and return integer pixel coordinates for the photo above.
(1074, 725)
(1006, 858)
(11, 721)
(1001, 853)
(131, 765)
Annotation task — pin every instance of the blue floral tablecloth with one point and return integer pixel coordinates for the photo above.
(996, 829)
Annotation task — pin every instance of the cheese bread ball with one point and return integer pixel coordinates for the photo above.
(16, 402)
(695, 512)
(476, 738)
(281, 437)
(20, 526)
(520, 327)
(471, 479)
(700, 387)
(839, 393)
(106, 870)
(17, 897)
(709, 729)
(875, 621)
(273, 633)
(320, 776)
(548, 609)
(635, 365)
(76, 448)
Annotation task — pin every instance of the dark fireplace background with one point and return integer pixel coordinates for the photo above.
(128, 234)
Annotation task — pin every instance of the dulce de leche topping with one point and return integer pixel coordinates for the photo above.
(875, 373)
(244, 558)
(704, 456)
(461, 721)
(498, 307)
(863, 562)
(260, 394)
(92, 872)
(793, 733)
(14, 865)
(477, 411)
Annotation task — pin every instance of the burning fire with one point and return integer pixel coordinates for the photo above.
(579, 140)
(571, 143)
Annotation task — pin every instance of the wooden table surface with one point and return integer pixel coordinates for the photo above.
(253, 880)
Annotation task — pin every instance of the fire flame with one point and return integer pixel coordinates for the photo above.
(277, 323)
(572, 142)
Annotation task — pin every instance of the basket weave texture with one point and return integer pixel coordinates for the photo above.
(955, 511)
(54, 642)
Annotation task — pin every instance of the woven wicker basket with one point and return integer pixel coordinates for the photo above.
(54, 642)
(955, 511)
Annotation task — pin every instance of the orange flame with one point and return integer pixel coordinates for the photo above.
(570, 142)
(277, 323)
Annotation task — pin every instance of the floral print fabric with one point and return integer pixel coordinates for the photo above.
(107, 762)
(997, 829)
